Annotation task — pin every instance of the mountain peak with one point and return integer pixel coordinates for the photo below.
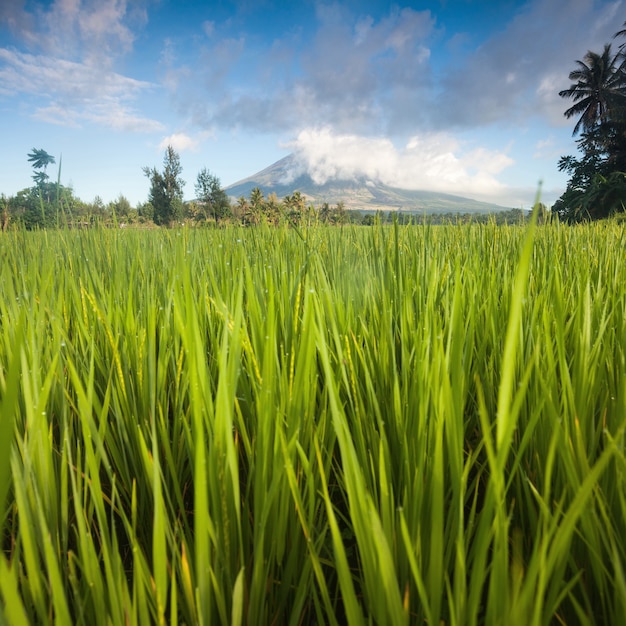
(289, 175)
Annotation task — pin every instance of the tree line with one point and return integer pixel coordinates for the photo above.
(597, 175)
(50, 204)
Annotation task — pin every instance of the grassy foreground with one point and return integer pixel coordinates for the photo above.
(409, 425)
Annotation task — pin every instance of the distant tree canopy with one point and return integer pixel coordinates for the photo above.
(597, 185)
(166, 189)
(212, 198)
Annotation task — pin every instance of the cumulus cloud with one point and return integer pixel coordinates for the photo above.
(366, 75)
(74, 45)
(431, 161)
(354, 72)
(356, 67)
(74, 92)
(182, 142)
(97, 31)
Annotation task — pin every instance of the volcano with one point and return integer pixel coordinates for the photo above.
(286, 176)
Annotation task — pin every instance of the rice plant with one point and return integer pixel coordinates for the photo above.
(385, 425)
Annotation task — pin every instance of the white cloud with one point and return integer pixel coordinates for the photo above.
(354, 72)
(434, 162)
(73, 93)
(69, 69)
(117, 116)
(182, 142)
(43, 75)
(366, 74)
(108, 114)
(94, 30)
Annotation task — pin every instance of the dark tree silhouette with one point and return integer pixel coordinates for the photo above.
(597, 92)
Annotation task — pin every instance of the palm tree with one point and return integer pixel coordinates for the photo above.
(598, 91)
(40, 160)
(273, 209)
(325, 213)
(257, 206)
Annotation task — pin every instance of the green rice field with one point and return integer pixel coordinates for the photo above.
(384, 425)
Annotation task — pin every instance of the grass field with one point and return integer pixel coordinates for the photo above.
(385, 425)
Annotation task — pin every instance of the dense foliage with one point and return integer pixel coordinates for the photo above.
(385, 425)
(597, 185)
(166, 189)
(210, 196)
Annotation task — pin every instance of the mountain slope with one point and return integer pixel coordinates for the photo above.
(283, 178)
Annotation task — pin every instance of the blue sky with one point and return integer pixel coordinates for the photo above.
(459, 96)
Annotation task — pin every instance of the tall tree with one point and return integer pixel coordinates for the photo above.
(166, 189)
(325, 213)
(121, 208)
(210, 193)
(598, 91)
(295, 206)
(599, 96)
(40, 160)
(340, 215)
(273, 209)
(256, 212)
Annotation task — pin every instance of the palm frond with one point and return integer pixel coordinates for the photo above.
(40, 158)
